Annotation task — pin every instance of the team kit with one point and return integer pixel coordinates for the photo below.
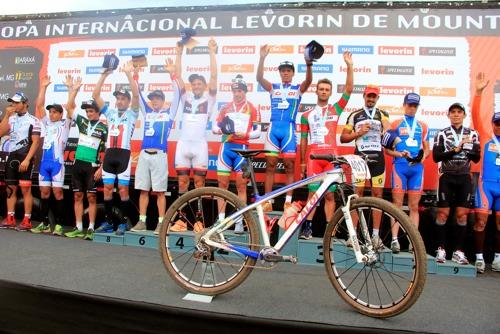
(105, 132)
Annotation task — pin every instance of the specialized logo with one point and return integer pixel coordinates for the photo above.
(238, 49)
(328, 49)
(396, 70)
(198, 50)
(100, 52)
(164, 51)
(438, 91)
(437, 71)
(356, 49)
(91, 87)
(237, 68)
(121, 86)
(71, 54)
(358, 89)
(281, 49)
(24, 60)
(133, 51)
(396, 50)
(437, 51)
(226, 87)
(317, 68)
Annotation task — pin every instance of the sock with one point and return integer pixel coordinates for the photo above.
(142, 218)
(60, 210)
(288, 199)
(108, 209)
(308, 224)
(222, 215)
(460, 234)
(440, 230)
(394, 238)
(497, 257)
(375, 232)
(479, 241)
(160, 220)
(10, 213)
(479, 257)
(91, 225)
(27, 215)
(44, 210)
(125, 208)
(79, 226)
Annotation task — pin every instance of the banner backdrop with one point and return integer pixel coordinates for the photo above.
(434, 52)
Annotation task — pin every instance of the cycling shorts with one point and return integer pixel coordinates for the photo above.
(13, 176)
(281, 139)
(315, 167)
(454, 190)
(228, 160)
(191, 155)
(407, 178)
(82, 179)
(487, 196)
(377, 171)
(116, 165)
(51, 174)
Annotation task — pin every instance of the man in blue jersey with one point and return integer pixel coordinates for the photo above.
(152, 168)
(285, 101)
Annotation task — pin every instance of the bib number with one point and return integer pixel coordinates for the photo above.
(359, 167)
(283, 105)
(410, 142)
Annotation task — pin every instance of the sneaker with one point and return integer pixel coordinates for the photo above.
(76, 233)
(25, 225)
(306, 234)
(395, 248)
(441, 255)
(480, 266)
(139, 227)
(41, 228)
(8, 222)
(105, 228)
(267, 206)
(89, 235)
(121, 229)
(377, 242)
(179, 226)
(157, 229)
(495, 265)
(58, 230)
(198, 227)
(238, 228)
(459, 257)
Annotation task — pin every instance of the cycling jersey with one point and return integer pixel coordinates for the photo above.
(443, 151)
(320, 124)
(285, 101)
(371, 141)
(196, 113)
(157, 124)
(22, 127)
(121, 126)
(413, 134)
(491, 161)
(91, 140)
(55, 135)
(244, 117)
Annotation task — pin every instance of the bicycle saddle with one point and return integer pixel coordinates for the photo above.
(249, 153)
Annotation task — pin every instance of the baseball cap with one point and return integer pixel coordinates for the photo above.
(456, 105)
(285, 64)
(56, 106)
(239, 83)
(123, 92)
(195, 76)
(18, 97)
(412, 98)
(186, 35)
(90, 104)
(313, 51)
(158, 93)
(496, 117)
(372, 89)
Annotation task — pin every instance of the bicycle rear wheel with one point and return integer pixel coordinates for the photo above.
(198, 267)
(391, 283)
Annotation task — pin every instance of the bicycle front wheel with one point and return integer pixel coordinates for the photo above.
(389, 283)
(195, 266)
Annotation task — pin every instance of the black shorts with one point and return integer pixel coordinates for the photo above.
(377, 165)
(454, 190)
(82, 179)
(13, 176)
(116, 160)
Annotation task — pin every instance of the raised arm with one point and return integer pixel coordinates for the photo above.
(4, 125)
(96, 94)
(73, 88)
(264, 51)
(40, 100)
(178, 66)
(309, 77)
(128, 69)
(171, 69)
(212, 49)
(480, 84)
(349, 80)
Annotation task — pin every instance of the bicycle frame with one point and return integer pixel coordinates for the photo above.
(328, 178)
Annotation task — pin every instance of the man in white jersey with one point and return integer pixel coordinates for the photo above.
(55, 131)
(117, 161)
(197, 107)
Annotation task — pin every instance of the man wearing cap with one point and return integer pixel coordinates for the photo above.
(24, 131)
(365, 126)
(238, 123)
(318, 127)
(152, 168)
(285, 101)
(488, 187)
(454, 148)
(117, 161)
(197, 107)
(87, 167)
(51, 170)
(409, 152)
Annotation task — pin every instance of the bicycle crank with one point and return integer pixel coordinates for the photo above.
(270, 256)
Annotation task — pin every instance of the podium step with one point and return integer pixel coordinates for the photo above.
(450, 268)
(109, 238)
(146, 239)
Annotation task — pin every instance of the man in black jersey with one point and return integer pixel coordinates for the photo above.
(454, 148)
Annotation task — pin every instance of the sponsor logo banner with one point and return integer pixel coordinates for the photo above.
(120, 86)
(60, 88)
(164, 51)
(356, 49)
(396, 50)
(69, 71)
(90, 87)
(437, 71)
(71, 54)
(100, 52)
(396, 70)
(165, 87)
(226, 87)
(317, 68)
(133, 51)
(197, 69)
(157, 69)
(24, 76)
(237, 68)
(438, 91)
(281, 49)
(198, 50)
(93, 70)
(437, 51)
(238, 49)
(24, 60)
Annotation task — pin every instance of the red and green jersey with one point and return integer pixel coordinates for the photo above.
(244, 116)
